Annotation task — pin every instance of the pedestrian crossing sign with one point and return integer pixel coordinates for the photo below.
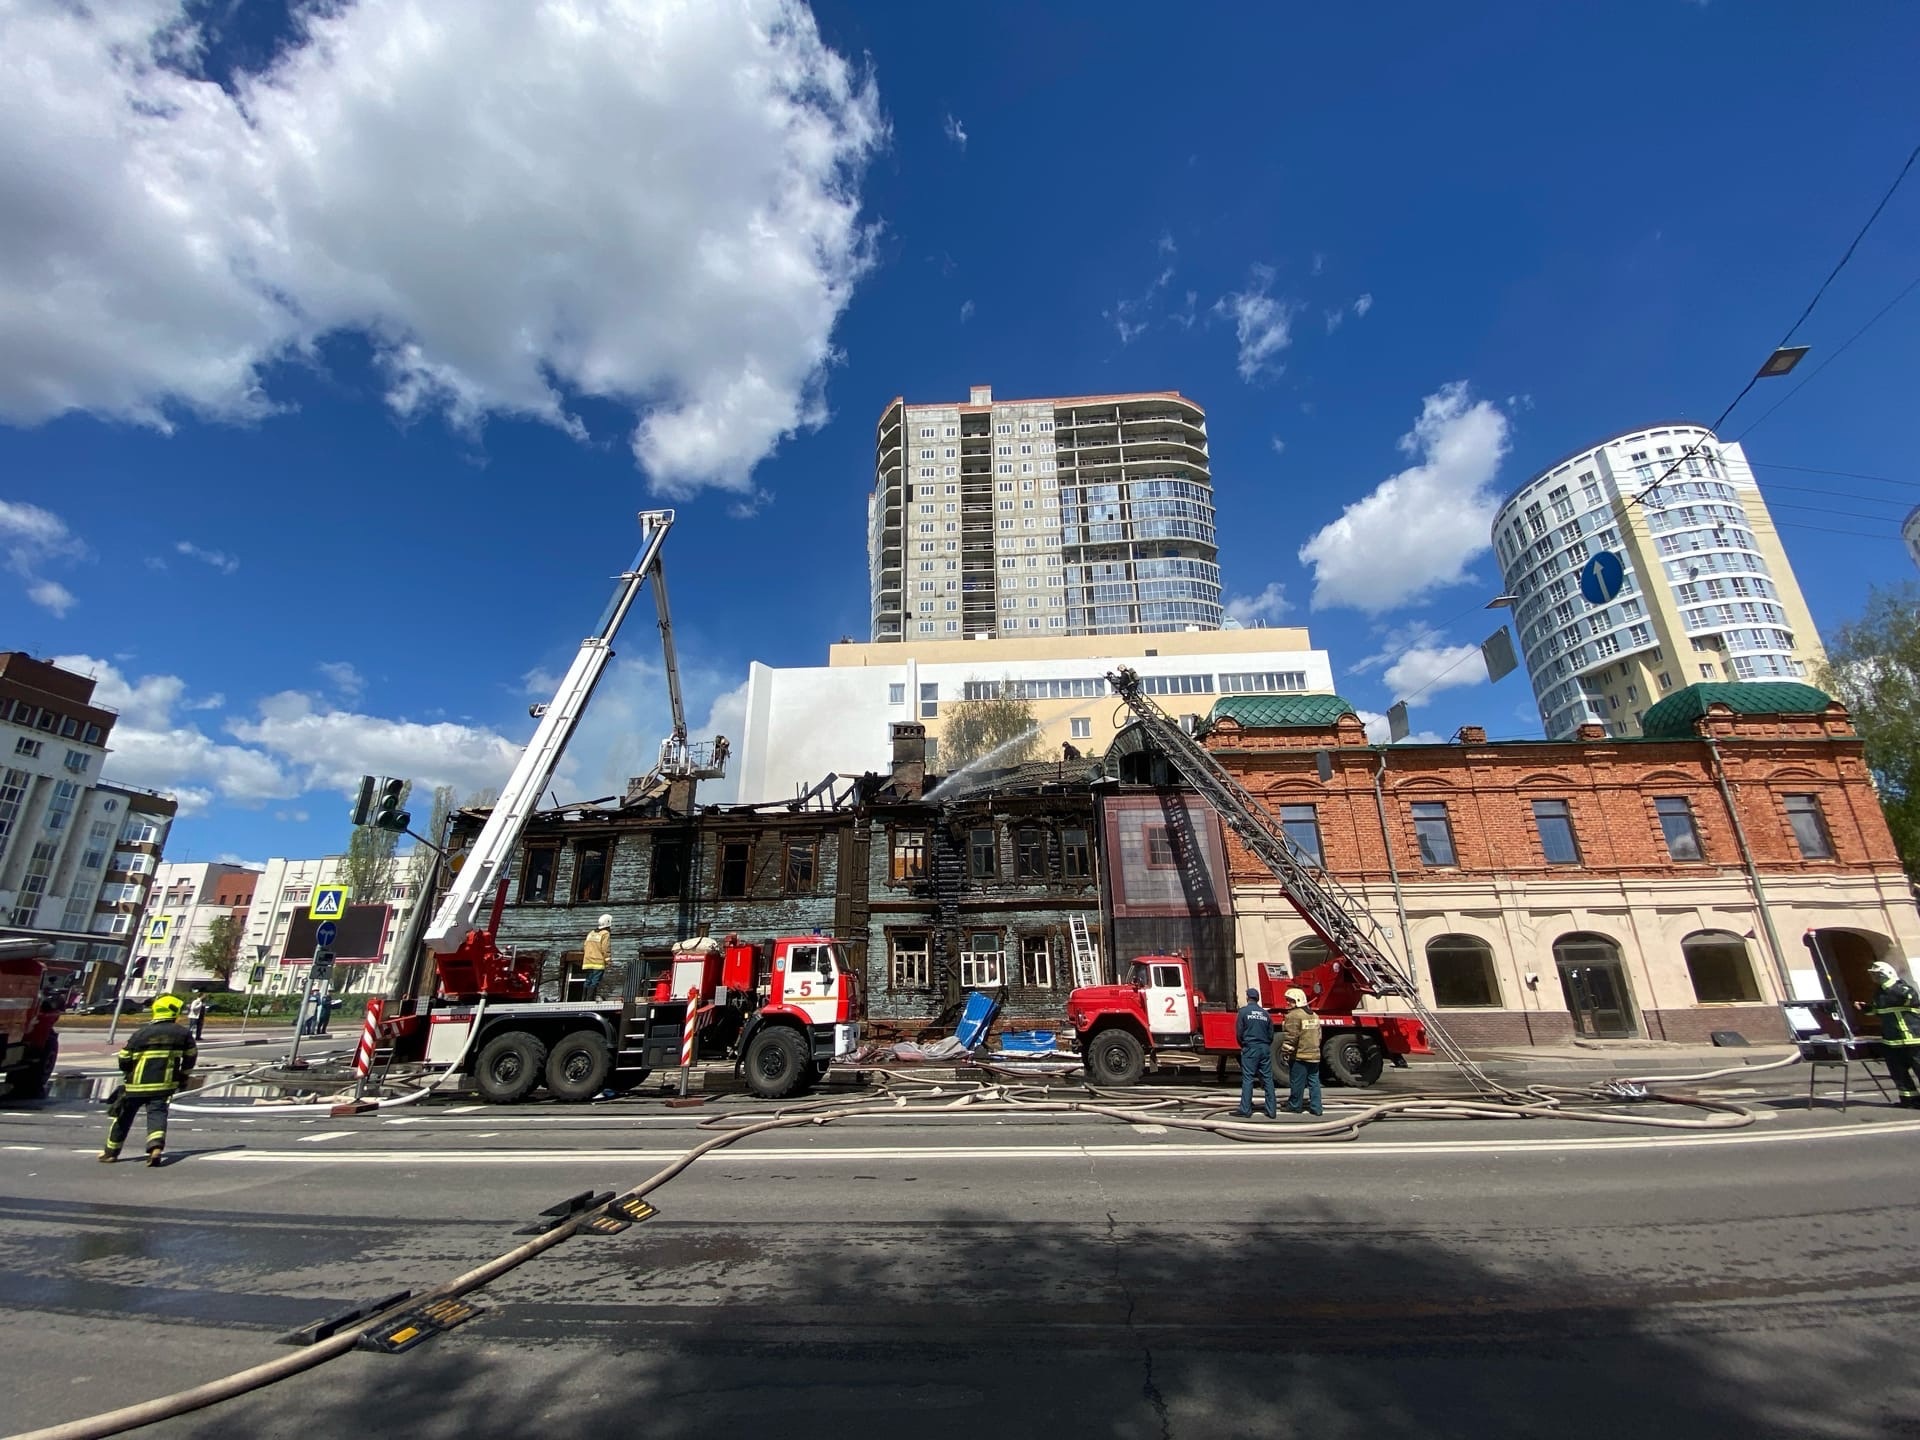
(329, 903)
(157, 929)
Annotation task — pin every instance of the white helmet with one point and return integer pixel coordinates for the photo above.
(1883, 972)
(606, 922)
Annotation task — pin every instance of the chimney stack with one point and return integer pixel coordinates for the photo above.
(909, 758)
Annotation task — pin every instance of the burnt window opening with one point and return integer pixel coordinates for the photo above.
(734, 856)
(799, 878)
(1030, 854)
(590, 871)
(1036, 962)
(1076, 858)
(536, 880)
(669, 880)
(909, 855)
(983, 855)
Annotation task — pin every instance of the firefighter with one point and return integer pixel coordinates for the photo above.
(156, 1061)
(593, 957)
(1300, 1050)
(1253, 1028)
(1895, 1002)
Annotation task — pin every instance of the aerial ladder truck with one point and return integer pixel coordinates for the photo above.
(784, 1008)
(1118, 1026)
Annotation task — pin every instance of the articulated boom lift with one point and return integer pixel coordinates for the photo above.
(1361, 964)
(469, 960)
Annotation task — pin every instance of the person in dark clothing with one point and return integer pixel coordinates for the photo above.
(1898, 1007)
(156, 1061)
(1253, 1028)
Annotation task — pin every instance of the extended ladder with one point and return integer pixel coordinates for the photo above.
(1086, 960)
(1335, 914)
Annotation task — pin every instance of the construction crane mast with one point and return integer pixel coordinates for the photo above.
(1333, 913)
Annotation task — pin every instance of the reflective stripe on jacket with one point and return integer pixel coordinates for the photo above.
(1899, 1011)
(157, 1058)
(1300, 1036)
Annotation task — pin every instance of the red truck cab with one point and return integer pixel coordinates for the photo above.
(33, 995)
(1120, 1027)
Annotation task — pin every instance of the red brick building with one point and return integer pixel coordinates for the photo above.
(1656, 887)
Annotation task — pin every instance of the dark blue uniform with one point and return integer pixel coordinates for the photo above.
(1253, 1028)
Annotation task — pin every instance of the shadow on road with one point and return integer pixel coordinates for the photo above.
(1302, 1323)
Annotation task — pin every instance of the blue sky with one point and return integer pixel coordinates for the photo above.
(326, 398)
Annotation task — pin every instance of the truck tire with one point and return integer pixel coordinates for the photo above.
(1354, 1060)
(777, 1063)
(509, 1066)
(33, 1082)
(577, 1065)
(1115, 1057)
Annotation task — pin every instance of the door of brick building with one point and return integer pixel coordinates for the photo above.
(1594, 981)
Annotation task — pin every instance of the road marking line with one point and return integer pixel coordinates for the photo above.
(463, 1109)
(22, 1147)
(971, 1153)
(324, 1135)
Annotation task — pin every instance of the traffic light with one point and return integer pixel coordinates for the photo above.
(363, 806)
(137, 969)
(387, 814)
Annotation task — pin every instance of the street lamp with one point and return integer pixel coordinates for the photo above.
(1782, 361)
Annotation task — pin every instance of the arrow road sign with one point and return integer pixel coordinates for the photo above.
(323, 934)
(1601, 578)
(329, 903)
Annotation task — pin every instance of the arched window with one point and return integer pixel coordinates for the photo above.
(1594, 979)
(1721, 968)
(1461, 969)
(1307, 952)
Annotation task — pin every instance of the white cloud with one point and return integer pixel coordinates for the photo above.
(1131, 318)
(31, 538)
(292, 746)
(1269, 604)
(1319, 262)
(1362, 305)
(51, 595)
(1167, 247)
(1262, 325)
(346, 681)
(647, 203)
(1279, 445)
(1334, 320)
(1417, 531)
(218, 559)
(956, 132)
(1421, 672)
(966, 311)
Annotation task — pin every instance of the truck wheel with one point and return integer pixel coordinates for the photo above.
(577, 1066)
(1354, 1060)
(623, 1081)
(1114, 1057)
(777, 1063)
(509, 1066)
(34, 1083)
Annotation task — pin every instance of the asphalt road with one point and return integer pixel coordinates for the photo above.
(973, 1274)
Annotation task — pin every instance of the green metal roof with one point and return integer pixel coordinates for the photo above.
(1673, 717)
(1280, 712)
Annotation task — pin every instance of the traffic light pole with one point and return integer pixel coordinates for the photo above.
(322, 957)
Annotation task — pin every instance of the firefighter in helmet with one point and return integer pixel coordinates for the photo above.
(156, 1061)
(1895, 1002)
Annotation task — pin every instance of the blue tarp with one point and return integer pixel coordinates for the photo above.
(976, 1018)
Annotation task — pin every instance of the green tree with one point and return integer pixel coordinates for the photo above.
(436, 831)
(369, 866)
(1000, 722)
(1873, 668)
(219, 953)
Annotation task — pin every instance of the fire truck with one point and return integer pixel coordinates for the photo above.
(32, 996)
(783, 1008)
(1120, 1026)
(1157, 1010)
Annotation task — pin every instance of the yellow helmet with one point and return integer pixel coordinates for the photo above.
(167, 1007)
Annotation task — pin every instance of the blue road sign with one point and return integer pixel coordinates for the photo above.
(1601, 578)
(323, 934)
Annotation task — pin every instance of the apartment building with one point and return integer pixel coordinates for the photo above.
(1708, 593)
(280, 932)
(185, 900)
(77, 853)
(1080, 515)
